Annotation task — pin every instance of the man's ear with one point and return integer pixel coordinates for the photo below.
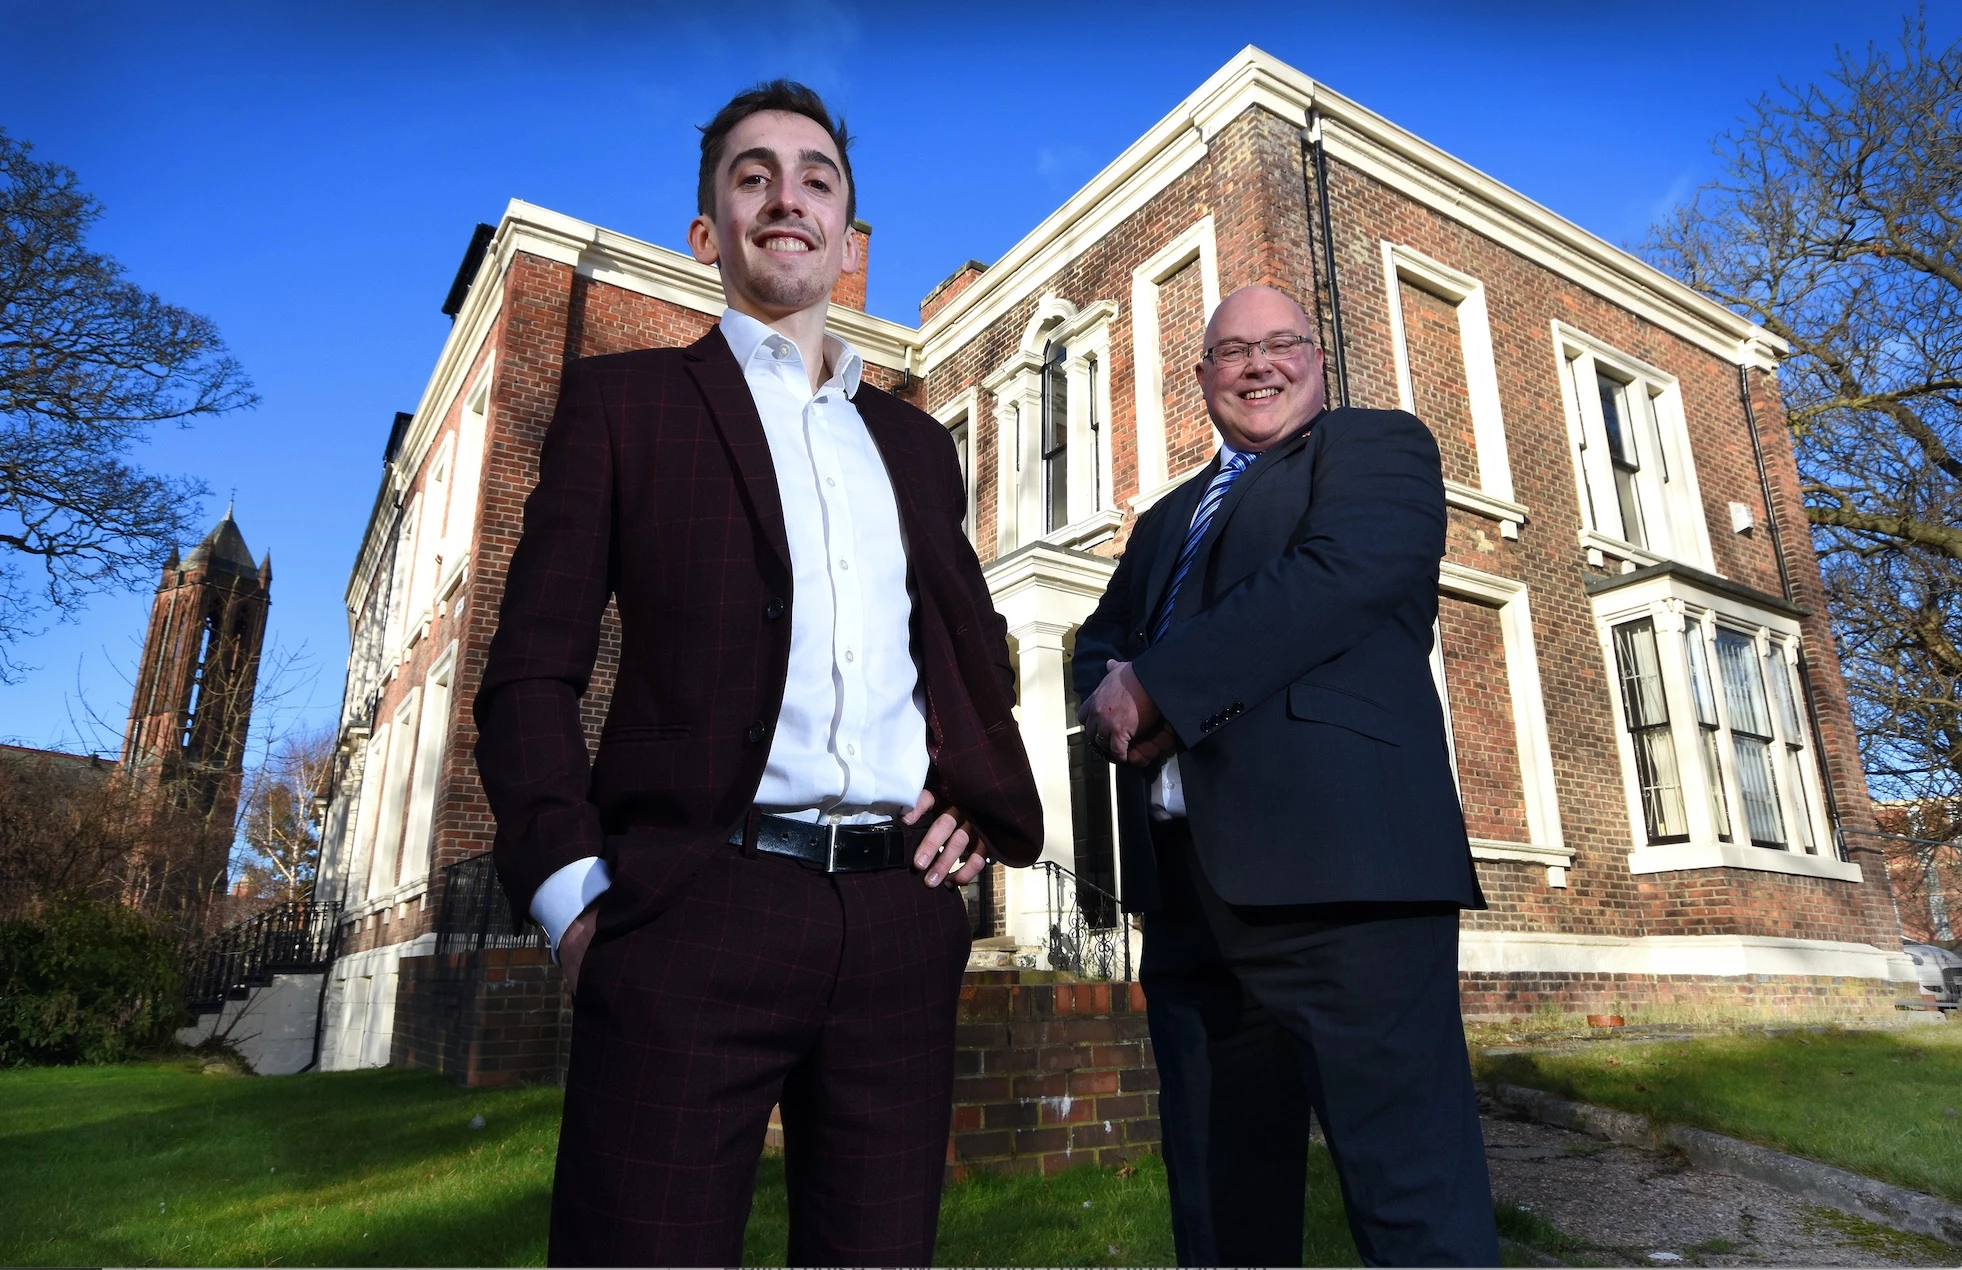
(701, 241)
(854, 251)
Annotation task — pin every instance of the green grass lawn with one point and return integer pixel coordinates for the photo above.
(1886, 1104)
(158, 1163)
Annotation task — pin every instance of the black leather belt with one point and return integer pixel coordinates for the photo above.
(834, 848)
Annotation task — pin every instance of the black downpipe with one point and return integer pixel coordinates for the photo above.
(1312, 152)
(1785, 586)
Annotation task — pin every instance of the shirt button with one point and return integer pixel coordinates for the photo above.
(756, 731)
(830, 480)
(851, 750)
(844, 564)
(774, 609)
(850, 655)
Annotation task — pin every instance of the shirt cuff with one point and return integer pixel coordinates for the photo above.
(565, 895)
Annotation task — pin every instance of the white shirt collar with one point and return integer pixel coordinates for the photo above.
(747, 337)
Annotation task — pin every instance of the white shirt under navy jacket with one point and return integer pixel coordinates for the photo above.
(850, 739)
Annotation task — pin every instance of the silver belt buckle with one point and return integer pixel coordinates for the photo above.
(831, 848)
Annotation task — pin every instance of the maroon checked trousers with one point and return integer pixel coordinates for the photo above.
(764, 982)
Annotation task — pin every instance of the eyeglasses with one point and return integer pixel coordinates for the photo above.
(1276, 347)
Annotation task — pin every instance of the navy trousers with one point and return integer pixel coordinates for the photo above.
(1260, 1014)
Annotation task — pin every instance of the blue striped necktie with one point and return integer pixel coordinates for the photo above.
(1229, 471)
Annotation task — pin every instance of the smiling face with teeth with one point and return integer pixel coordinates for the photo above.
(1261, 402)
(780, 233)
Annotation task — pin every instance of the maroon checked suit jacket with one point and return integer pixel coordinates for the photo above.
(656, 487)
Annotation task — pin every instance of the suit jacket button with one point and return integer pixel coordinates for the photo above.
(756, 732)
(773, 610)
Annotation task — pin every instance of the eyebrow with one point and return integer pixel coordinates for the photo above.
(764, 154)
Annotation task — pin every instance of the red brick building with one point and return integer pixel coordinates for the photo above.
(1650, 731)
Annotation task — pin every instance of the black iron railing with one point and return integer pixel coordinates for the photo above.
(475, 912)
(287, 938)
(1088, 934)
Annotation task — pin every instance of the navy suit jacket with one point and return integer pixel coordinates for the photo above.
(1297, 674)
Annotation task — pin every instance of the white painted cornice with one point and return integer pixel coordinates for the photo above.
(1379, 148)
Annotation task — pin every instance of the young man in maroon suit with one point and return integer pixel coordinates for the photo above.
(752, 886)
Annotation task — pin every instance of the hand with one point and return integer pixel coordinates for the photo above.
(573, 944)
(1160, 742)
(939, 853)
(1119, 711)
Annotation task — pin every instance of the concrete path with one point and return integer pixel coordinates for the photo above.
(1632, 1206)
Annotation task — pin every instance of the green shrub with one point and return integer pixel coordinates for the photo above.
(84, 982)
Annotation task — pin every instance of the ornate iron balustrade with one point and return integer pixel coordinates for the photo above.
(297, 936)
(476, 913)
(1088, 933)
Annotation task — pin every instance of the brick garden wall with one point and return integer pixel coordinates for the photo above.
(499, 1016)
(1524, 997)
(1047, 1075)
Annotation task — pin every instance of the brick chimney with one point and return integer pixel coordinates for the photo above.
(955, 283)
(850, 291)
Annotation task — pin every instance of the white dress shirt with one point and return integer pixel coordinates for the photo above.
(1168, 786)
(850, 739)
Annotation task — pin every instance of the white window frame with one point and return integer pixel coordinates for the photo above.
(384, 861)
(1675, 505)
(1675, 603)
(1020, 498)
(964, 411)
(374, 765)
(432, 736)
(1548, 842)
(1196, 243)
(1405, 266)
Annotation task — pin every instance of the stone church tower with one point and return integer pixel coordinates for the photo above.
(194, 686)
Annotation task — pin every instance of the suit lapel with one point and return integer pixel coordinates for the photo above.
(1182, 502)
(1241, 488)
(733, 408)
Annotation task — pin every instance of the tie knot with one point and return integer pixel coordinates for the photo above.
(1238, 460)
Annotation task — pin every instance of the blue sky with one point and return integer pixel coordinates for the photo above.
(308, 176)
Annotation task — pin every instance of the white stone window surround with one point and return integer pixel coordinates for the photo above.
(432, 739)
(1548, 845)
(1092, 517)
(964, 411)
(1404, 266)
(1674, 597)
(1675, 506)
(367, 814)
(1017, 389)
(466, 479)
(1197, 243)
(385, 856)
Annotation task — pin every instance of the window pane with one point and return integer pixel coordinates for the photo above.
(1641, 678)
(1621, 443)
(1647, 711)
(1713, 776)
(1795, 780)
(1760, 789)
(1055, 440)
(1090, 369)
(1779, 676)
(1743, 687)
(1699, 668)
(960, 435)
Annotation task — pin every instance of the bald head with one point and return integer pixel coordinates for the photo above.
(1261, 400)
(1259, 303)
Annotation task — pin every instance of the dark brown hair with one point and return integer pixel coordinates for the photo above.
(790, 97)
